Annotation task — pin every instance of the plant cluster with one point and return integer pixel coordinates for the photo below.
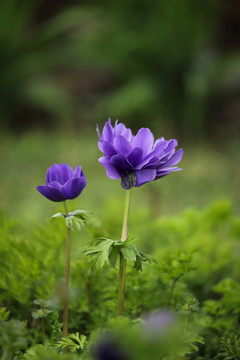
(183, 305)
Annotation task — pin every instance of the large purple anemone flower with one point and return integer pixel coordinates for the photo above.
(136, 159)
(62, 183)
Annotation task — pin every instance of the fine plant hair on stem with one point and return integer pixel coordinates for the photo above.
(67, 271)
(123, 262)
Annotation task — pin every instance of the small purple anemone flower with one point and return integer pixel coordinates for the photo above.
(136, 159)
(158, 324)
(62, 183)
(159, 321)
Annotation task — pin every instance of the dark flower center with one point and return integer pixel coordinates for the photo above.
(128, 180)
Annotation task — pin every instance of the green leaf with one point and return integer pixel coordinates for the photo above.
(4, 313)
(58, 215)
(113, 256)
(32, 352)
(99, 254)
(81, 214)
(106, 250)
(138, 264)
(128, 253)
(74, 223)
(73, 342)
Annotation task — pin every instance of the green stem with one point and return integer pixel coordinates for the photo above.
(43, 329)
(67, 270)
(186, 323)
(123, 262)
(171, 292)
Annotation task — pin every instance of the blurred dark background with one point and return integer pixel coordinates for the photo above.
(174, 64)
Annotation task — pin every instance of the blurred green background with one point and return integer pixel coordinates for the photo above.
(170, 65)
(173, 66)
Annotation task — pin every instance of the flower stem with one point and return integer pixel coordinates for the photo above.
(171, 292)
(123, 262)
(67, 270)
(186, 323)
(43, 329)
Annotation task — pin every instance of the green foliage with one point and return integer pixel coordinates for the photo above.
(107, 250)
(169, 76)
(26, 266)
(4, 313)
(13, 337)
(43, 311)
(28, 61)
(230, 348)
(41, 352)
(225, 310)
(176, 263)
(191, 338)
(75, 220)
(73, 342)
(196, 249)
(190, 304)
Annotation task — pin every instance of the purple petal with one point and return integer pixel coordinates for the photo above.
(121, 145)
(170, 149)
(120, 162)
(98, 132)
(171, 169)
(56, 185)
(144, 139)
(159, 141)
(74, 187)
(66, 173)
(127, 133)
(107, 133)
(100, 145)
(135, 156)
(155, 156)
(120, 129)
(175, 158)
(108, 149)
(53, 174)
(78, 171)
(144, 176)
(160, 174)
(112, 173)
(153, 162)
(159, 147)
(51, 193)
(148, 158)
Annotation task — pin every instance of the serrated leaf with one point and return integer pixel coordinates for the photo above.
(4, 313)
(99, 254)
(72, 342)
(81, 214)
(58, 215)
(128, 253)
(106, 250)
(32, 352)
(113, 256)
(74, 223)
(130, 239)
(138, 264)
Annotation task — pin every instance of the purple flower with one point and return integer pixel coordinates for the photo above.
(136, 159)
(62, 183)
(158, 321)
